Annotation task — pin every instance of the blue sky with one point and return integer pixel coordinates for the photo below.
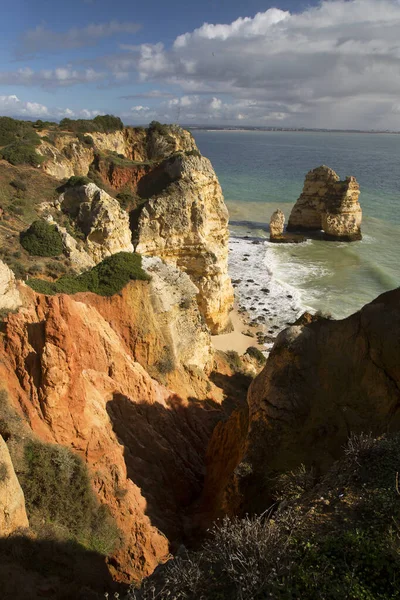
(331, 63)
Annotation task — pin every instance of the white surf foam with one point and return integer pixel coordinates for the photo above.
(267, 299)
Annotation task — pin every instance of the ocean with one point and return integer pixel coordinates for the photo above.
(262, 171)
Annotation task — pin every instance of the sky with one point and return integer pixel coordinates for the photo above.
(317, 64)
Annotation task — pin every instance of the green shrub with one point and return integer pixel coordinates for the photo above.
(85, 139)
(74, 181)
(19, 185)
(330, 539)
(42, 239)
(18, 269)
(101, 124)
(106, 279)
(234, 360)
(21, 153)
(58, 492)
(158, 127)
(256, 354)
(13, 130)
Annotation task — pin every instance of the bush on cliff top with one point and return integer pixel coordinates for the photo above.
(339, 539)
(101, 124)
(21, 153)
(42, 239)
(106, 279)
(13, 130)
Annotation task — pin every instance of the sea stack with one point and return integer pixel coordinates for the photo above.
(328, 204)
(276, 226)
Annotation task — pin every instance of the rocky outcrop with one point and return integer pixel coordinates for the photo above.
(328, 204)
(67, 154)
(77, 369)
(66, 157)
(9, 295)
(123, 176)
(12, 502)
(322, 381)
(186, 224)
(170, 139)
(276, 225)
(100, 217)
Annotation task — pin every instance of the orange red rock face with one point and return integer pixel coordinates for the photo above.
(69, 365)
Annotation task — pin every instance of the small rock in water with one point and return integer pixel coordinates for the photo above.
(251, 281)
(265, 290)
(245, 259)
(256, 242)
(289, 296)
(246, 255)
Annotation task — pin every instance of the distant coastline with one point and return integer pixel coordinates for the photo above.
(284, 129)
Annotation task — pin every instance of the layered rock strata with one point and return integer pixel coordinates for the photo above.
(186, 224)
(66, 154)
(77, 369)
(328, 204)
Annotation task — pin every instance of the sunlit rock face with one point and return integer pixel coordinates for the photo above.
(186, 223)
(328, 204)
(100, 217)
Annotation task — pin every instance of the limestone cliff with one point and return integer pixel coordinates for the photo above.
(322, 381)
(77, 369)
(328, 204)
(101, 219)
(12, 504)
(67, 154)
(9, 295)
(181, 216)
(186, 224)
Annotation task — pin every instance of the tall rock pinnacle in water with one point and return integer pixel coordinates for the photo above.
(277, 225)
(328, 204)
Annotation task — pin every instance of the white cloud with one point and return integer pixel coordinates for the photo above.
(60, 76)
(40, 39)
(334, 65)
(14, 107)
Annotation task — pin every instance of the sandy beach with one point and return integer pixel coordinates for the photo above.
(236, 340)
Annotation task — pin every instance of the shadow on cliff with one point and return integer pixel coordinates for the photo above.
(45, 568)
(165, 451)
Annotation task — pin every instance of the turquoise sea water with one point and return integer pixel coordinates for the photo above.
(260, 171)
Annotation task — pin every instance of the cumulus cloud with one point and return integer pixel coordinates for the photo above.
(14, 107)
(334, 65)
(41, 39)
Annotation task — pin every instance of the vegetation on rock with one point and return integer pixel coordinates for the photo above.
(42, 239)
(105, 279)
(339, 539)
(21, 153)
(256, 354)
(101, 124)
(58, 493)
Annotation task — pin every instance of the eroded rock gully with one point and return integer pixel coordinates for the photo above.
(77, 369)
